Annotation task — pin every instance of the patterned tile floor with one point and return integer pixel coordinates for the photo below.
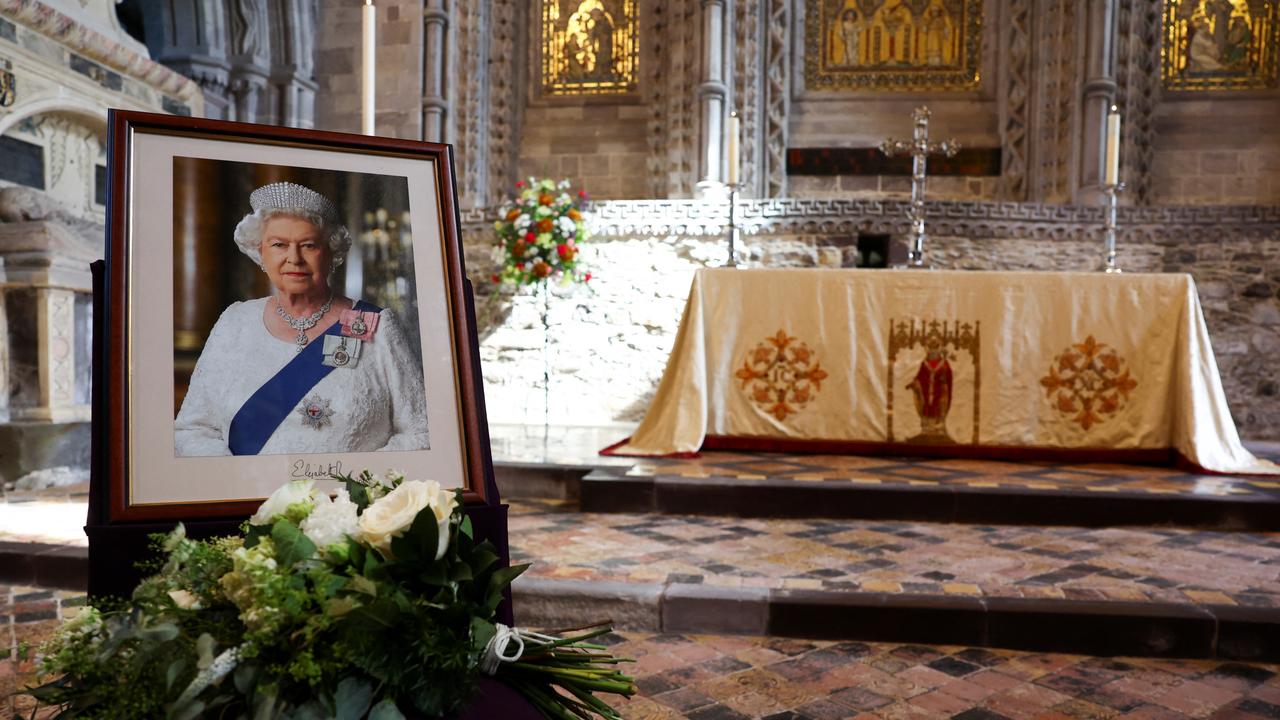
(734, 678)
(973, 474)
(1133, 564)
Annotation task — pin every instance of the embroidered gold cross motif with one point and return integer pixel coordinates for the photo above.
(1090, 381)
(781, 375)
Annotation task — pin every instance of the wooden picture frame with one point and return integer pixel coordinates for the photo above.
(147, 479)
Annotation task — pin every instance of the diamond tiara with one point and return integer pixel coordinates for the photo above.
(292, 196)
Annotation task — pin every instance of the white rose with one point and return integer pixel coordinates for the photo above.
(184, 599)
(392, 515)
(332, 520)
(297, 491)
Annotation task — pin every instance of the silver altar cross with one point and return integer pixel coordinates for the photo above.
(920, 149)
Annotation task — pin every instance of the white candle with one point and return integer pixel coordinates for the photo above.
(1111, 174)
(735, 129)
(368, 80)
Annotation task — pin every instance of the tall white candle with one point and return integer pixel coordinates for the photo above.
(735, 129)
(368, 80)
(1111, 174)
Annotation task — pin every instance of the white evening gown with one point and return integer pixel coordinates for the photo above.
(380, 404)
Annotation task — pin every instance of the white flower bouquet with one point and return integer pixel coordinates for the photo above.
(366, 604)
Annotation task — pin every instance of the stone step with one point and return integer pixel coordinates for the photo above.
(1158, 592)
(1042, 625)
(1105, 499)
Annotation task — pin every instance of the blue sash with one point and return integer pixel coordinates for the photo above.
(263, 412)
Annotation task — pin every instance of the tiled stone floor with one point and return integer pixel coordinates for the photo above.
(1132, 564)
(733, 678)
(28, 617)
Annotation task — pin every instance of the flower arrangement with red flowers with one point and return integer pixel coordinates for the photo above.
(540, 234)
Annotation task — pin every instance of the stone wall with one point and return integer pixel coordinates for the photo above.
(601, 146)
(608, 343)
(1220, 152)
(399, 67)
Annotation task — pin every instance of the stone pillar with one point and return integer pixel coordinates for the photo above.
(713, 98)
(46, 278)
(435, 103)
(190, 36)
(1099, 94)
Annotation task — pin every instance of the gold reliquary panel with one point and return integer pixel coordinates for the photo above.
(1220, 44)
(893, 44)
(589, 47)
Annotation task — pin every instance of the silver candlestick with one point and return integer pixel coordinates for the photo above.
(1109, 228)
(735, 232)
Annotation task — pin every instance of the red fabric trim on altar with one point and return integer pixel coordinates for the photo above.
(1130, 456)
(612, 451)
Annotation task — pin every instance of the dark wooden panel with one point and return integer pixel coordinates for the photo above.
(870, 161)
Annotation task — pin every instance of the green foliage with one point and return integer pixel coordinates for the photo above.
(269, 626)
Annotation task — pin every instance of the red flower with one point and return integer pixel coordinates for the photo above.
(562, 249)
(497, 279)
(582, 194)
(519, 266)
(586, 278)
(519, 183)
(530, 236)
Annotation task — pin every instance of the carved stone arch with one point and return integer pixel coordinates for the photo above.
(92, 115)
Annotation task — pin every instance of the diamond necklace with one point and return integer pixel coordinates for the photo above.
(302, 325)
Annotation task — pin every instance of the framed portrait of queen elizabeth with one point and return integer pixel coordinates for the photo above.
(282, 304)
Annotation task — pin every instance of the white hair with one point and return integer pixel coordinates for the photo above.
(248, 233)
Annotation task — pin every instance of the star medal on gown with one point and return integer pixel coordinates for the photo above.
(316, 413)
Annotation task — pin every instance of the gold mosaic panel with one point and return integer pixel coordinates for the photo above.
(1220, 44)
(589, 47)
(893, 44)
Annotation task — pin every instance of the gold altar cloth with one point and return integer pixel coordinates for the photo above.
(945, 362)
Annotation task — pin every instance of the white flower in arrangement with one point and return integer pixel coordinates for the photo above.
(548, 184)
(567, 226)
(391, 516)
(563, 184)
(523, 222)
(286, 496)
(184, 599)
(542, 211)
(545, 240)
(332, 520)
(562, 199)
(255, 558)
